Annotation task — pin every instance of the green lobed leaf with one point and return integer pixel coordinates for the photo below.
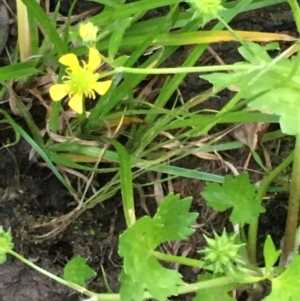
(136, 245)
(286, 286)
(77, 271)
(174, 214)
(255, 53)
(237, 193)
(221, 80)
(285, 102)
(280, 92)
(130, 289)
(271, 255)
(141, 269)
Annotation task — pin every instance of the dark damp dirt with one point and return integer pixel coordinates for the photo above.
(28, 195)
(31, 194)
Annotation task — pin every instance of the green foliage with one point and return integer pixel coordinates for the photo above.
(126, 39)
(236, 193)
(278, 94)
(219, 293)
(17, 71)
(141, 270)
(271, 255)
(36, 12)
(77, 271)
(126, 182)
(283, 101)
(117, 35)
(222, 252)
(286, 286)
(5, 244)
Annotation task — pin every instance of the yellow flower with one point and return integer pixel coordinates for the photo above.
(80, 80)
(88, 32)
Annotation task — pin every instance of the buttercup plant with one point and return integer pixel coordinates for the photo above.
(146, 122)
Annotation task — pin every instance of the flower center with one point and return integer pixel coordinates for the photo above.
(82, 81)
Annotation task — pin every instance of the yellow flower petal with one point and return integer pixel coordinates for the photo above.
(102, 87)
(69, 60)
(76, 103)
(59, 91)
(94, 59)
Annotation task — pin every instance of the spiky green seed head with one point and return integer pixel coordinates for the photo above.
(222, 252)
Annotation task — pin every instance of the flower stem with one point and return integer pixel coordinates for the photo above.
(293, 206)
(252, 233)
(178, 70)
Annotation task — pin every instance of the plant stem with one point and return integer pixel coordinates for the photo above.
(293, 206)
(296, 12)
(52, 276)
(252, 233)
(226, 25)
(177, 70)
(187, 288)
(179, 259)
